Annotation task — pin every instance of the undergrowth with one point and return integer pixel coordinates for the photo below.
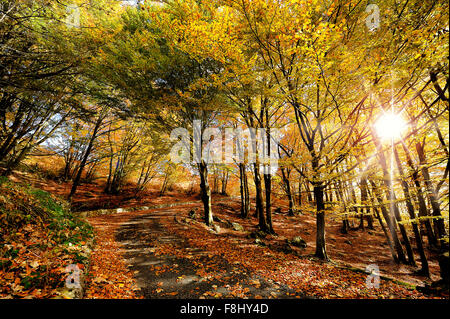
(39, 237)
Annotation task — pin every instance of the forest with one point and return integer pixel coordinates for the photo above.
(208, 149)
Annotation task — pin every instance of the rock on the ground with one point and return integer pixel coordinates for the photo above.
(284, 247)
(192, 214)
(259, 242)
(237, 226)
(297, 241)
(216, 228)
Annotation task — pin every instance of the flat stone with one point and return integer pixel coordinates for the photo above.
(237, 226)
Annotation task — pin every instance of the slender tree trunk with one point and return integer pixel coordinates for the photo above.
(224, 182)
(377, 215)
(243, 190)
(432, 196)
(14, 163)
(164, 184)
(352, 199)
(299, 200)
(364, 200)
(308, 192)
(205, 193)
(391, 224)
(423, 211)
(262, 223)
(268, 193)
(68, 164)
(340, 197)
(438, 221)
(390, 194)
(407, 242)
(325, 193)
(77, 179)
(246, 191)
(287, 187)
(412, 215)
(267, 175)
(215, 183)
(386, 234)
(321, 251)
(111, 160)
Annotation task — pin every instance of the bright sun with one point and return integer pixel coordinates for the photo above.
(390, 126)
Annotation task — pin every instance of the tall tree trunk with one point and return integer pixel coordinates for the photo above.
(386, 234)
(111, 161)
(423, 211)
(259, 200)
(164, 184)
(14, 162)
(390, 223)
(268, 193)
(243, 186)
(390, 194)
(365, 210)
(287, 187)
(215, 189)
(308, 193)
(268, 175)
(340, 197)
(412, 215)
(321, 251)
(299, 198)
(377, 215)
(77, 179)
(224, 182)
(68, 158)
(351, 195)
(438, 221)
(246, 191)
(432, 196)
(205, 193)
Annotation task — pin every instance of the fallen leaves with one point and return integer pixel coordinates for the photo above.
(304, 276)
(33, 268)
(218, 261)
(39, 237)
(109, 277)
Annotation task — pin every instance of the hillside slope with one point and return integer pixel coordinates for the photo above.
(39, 238)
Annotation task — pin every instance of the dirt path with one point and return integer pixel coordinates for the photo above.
(159, 275)
(164, 253)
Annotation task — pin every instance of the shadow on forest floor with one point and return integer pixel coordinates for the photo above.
(358, 248)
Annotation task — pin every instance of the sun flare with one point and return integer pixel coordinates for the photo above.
(390, 126)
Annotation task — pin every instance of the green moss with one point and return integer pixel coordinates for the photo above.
(22, 204)
(48, 202)
(25, 210)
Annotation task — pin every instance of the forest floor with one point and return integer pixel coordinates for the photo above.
(170, 255)
(164, 253)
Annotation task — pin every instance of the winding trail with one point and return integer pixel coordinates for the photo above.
(168, 276)
(161, 252)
